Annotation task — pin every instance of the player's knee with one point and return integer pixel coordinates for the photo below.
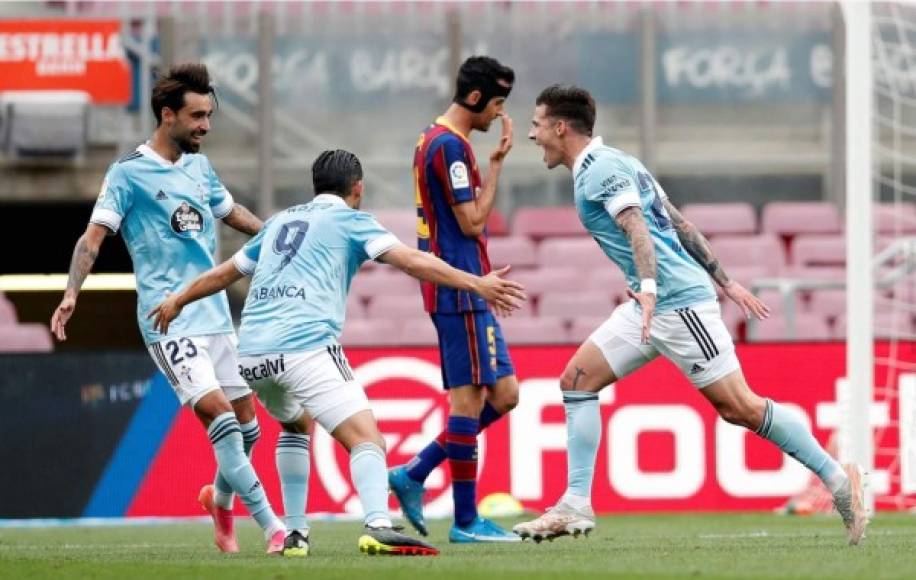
(568, 379)
(737, 414)
(505, 396)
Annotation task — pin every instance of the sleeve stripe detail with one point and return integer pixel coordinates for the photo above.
(243, 263)
(106, 217)
(617, 203)
(224, 208)
(381, 244)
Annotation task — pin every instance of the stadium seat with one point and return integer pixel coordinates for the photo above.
(543, 222)
(30, 337)
(581, 253)
(886, 325)
(764, 250)
(370, 332)
(716, 219)
(381, 281)
(790, 218)
(400, 222)
(517, 251)
(745, 275)
(808, 326)
(540, 330)
(834, 273)
(7, 311)
(44, 124)
(890, 216)
(732, 317)
(609, 279)
(570, 305)
(396, 307)
(583, 326)
(497, 225)
(828, 302)
(541, 280)
(775, 301)
(810, 250)
(419, 332)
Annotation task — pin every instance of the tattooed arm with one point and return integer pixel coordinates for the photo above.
(84, 255)
(698, 246)
(241, 219)
(633, 223)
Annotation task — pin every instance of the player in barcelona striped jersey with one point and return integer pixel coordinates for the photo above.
(165, 199)
(453, 204)
(673, 312)
(301, 265)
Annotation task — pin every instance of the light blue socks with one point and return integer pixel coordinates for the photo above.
(293, 468)
(789, 434)
(583, 434)
(226, 436)
(224, 495)
(370, 478)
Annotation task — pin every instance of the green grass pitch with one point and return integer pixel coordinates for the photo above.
(643, 546)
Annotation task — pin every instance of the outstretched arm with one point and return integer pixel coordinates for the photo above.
(633, 223)
(698, 247)
(493, 288)
(84, 254)
(210, 282)
(243, 220)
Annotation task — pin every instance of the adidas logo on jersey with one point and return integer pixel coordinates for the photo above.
(696, 369)
(161, 196)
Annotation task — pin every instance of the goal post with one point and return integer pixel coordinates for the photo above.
(855, 433)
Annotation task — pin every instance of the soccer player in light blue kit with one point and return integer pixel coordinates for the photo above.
(302, 264)
(165, 199)
(673, 312)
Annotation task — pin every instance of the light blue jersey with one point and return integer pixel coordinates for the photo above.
(167, 214)
(302, 263)
(608, 180)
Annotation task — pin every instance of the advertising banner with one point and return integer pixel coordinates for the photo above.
(71, 55)
(110, 425)
(662, 448)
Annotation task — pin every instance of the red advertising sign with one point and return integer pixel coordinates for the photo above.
(74, 55)
(662, 448)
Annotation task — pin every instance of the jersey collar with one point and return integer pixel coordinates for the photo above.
(331, 198)
(445, 123)
(148, 151)
(592, 145)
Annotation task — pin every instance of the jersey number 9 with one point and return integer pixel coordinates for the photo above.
(289, 239)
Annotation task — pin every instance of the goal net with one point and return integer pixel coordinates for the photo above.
(877, 398)
(893, 118)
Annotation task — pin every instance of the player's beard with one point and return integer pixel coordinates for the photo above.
(186, 144)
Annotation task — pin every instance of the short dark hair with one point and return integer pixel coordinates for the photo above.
(478, 72)
(572, 104)
(170, 89)
(336, 172)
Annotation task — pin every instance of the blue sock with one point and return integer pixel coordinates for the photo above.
(583, 434)
(370, 478)
(226, 436)
(419, 468)
(224, 495)
(293, 467)
(789, 434)
(461, 447)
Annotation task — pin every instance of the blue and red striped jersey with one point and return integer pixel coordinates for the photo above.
(445, 174)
